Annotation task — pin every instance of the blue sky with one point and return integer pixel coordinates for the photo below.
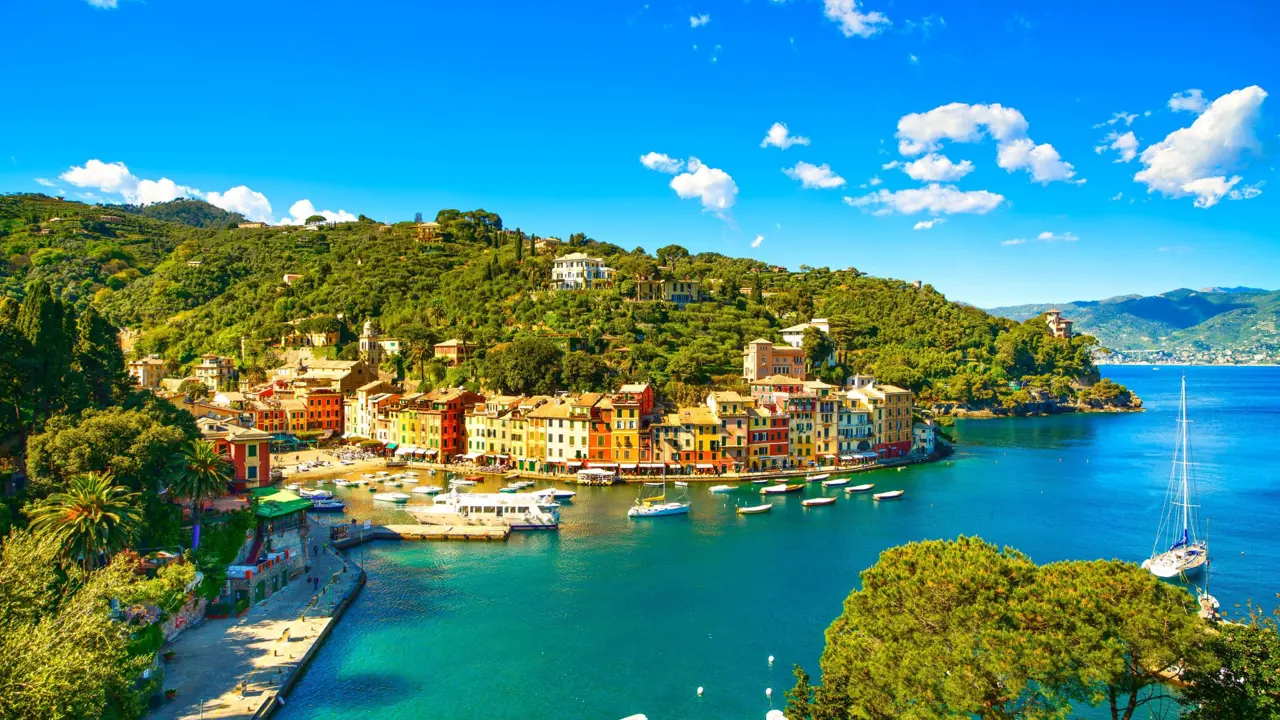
(542, 112)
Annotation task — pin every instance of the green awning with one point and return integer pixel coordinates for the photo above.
(281, 503)
(260, 492)
(391, 446)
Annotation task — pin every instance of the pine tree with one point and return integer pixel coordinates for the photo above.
(98, 357)
(519, 246)
(43, 320)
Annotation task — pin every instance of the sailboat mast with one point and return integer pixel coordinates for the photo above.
(1186, 497)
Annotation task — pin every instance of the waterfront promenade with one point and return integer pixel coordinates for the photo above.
(235, 668)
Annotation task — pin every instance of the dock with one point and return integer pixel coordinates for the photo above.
(423, 532)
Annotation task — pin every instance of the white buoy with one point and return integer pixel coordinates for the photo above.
(768, 692)
(770, 660)
(699, 691)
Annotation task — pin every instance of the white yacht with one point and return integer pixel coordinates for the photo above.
(1187, 553)
(392, 497)
(519, 511)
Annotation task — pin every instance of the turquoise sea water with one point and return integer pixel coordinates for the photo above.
(613, 616)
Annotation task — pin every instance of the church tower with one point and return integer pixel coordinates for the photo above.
(370, 350)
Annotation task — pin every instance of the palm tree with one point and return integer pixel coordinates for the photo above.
(197, 472)
(92, 517)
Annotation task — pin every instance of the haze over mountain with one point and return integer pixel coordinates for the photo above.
(1213, 318)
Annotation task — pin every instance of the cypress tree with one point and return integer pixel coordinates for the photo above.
(42, 321)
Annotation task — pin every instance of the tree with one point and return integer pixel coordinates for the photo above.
(948, 629)
(194, 389)
(197, 472)
(98, 357)
(526, 366)
(583, 372)
(1243, 682)
(93, 517)
(417, 218)
(315, 219)
(43, 321)
(817, 347)
(757, 290)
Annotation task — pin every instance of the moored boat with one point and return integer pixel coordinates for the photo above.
(508, 489)
(293, 486)
(817, 478)
(313, 494)
(330, 505)
(890, 495)
(860, 488)
(781, 488)
(1186, 554)
(427, 490)
(721, 488)
(813, 502)
(658, 505)
(342, 483)
(760, 481)
(838, 482)
(392, 497)
(467, 481)
(755, 509)
(555, 493)
(519, 511)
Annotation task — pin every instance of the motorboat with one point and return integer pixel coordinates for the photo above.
(817, 478)
(859, 488)
(366, 476)
(1185, 553)
(681, 483)
(464, 482)
(760, 481)
(721, 488)
(519, 511)
(891, 495)
(509, 489)
(381, 474)
(755, 509)
(815, 502)
(427, 490)
(313, 494)
(342, 483)
(409, 479)
(392, 497)
(330, 505)
(658, 505)
(411, 473)
(555, 493)
(838, 482)
(293, 486)
(597, 476)
(781, 488)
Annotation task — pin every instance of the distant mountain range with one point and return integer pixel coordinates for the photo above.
(1213, 319)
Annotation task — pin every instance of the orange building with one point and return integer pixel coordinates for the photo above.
(761, 358)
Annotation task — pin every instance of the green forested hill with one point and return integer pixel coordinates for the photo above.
(1239, 319)
(192, 290)
(188, 211)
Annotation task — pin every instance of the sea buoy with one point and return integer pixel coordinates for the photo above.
(770, 659)
(699, 691)
(768, 692)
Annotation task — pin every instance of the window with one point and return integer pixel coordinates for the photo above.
(253, 451)
(251, 472)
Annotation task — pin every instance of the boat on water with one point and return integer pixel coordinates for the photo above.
(755, 509)
(427, 490)
(555, 493)
(392, 497)
(838, 482)
(681, 483)
(409, 479)
(890, 495)
(817, 478)
(366, 476)
(329, 505)
(509, 489)
(313, 494)
(411, 473)
(815, 502)
(860, 488)
(293, 486)
(760, 481)
(381, 474)
(721, 488)
(658, 505)
(519, 511)
(342, 483)
(373, 489)
(1185, 552)
(466, 482)
(596, 476)
(781, 488)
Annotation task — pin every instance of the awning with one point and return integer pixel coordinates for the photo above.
(406, 450)
(705, 466)
(603, 464)
(472, 456)
(827, 455)
(573, 462)
(628, 466)
(346, 435)
(391, 446)
(431, 451)
(846, 457)
(674, 466)
(652, 466)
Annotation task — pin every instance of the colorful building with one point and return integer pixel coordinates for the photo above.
(147, 371)
(761, 358)
(800, 410)
(731, 409)
(890, 409)
(768, 445)
(248, 449)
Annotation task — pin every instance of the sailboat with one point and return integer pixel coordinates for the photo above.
(1186, 553)
(658, 505)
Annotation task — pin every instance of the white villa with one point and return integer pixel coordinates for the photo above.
(577, 271)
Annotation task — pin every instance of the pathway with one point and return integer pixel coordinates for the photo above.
(262, 649)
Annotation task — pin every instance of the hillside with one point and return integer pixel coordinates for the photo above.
(188, 211)
(193, 290)
(1212, 320)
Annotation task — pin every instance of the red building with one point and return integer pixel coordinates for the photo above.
(324, 410)
(269, 416)
(248, 449)
(444, 412)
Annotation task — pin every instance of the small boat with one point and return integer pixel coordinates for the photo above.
(428, 490)
(392, 497)
(366, 476)
(658, 505)
(394, 483)
(755, 509)
(817, 478)
(812, 502)
(342, 483)
(330, 505)
(408, 480)
(302, 468)
(313, 494)
(760, 481)
(345, 462)
(838, 482)
(681, 483)
(1186, 553)
(555, 493)
(373, 489)
(381, 474)
(891, 495)
(860, 488)
(781, 488)
(411, 473)
(468, 481)
(293, 486)
(508, 489)
(721, 488)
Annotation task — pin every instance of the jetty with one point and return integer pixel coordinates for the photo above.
(360, 535)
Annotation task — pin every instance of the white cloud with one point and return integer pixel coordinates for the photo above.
(1120, 117)
(756, 243)
(1047, 236)
(1189, 101)
(928, 224)
(712, 186)
(1126, 145)
(1247, 192)
(1041, 161)
(1118, 196)
(662, 162)
(913, 59)
(303, 209)
(874, 181)
(814, 176)
(1195, 160)
(150, 192)
(920, 133)
(937, 168)
(249, 203)
(1015, 241)
(104, 4)
(46, 182)
(853, 21)
(779, 137)
(933, 198)
(107, 177)
(699, 20)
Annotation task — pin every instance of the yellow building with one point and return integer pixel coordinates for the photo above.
(890, 410)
